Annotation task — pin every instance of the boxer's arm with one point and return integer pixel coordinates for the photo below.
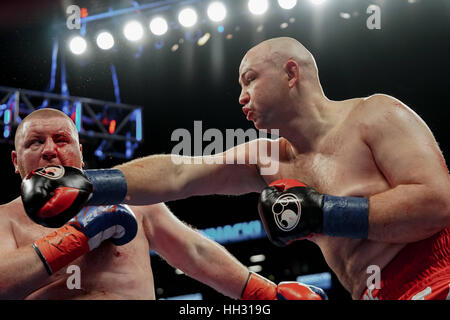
(21, 270)
(161, 178)
(405, 151)
(197, 256)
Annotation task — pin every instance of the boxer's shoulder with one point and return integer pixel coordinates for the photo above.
(383, 105)
(11, 214)
(12, 211)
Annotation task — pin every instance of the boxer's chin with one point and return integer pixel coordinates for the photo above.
(22, 171)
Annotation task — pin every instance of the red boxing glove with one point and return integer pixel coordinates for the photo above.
(290, 290)
(260, 288)
(285, 184)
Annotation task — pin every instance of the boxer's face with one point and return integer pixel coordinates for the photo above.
(46, 140)
(263, 93)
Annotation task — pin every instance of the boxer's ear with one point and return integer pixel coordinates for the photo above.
(292, 70)
(81, 152)
(14, 160)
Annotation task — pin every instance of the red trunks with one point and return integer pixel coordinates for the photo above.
(420, 271)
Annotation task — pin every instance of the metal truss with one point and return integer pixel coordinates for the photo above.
(115, 128)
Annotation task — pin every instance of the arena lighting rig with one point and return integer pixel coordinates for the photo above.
(116, 127)
(151, 20)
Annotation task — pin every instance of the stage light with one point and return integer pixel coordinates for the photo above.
(258, 7)
(112, 127)
(77, 45)
(345, 15)
(256, 268)
(179, 272)
(317, 1)
(158, 26)
(287, 4)
(217, 11)
(133, 31)
(257, 258)
(84, 13)
(105, 40)
(203, 39)
(187, 17)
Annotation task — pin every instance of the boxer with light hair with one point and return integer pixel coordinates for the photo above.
(362, 178)
(110, 244)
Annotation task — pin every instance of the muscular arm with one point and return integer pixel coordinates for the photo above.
(21, 270)
(197, 256)
(161, 178)
(404, 149)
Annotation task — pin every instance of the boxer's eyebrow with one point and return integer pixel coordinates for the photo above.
(243, 75)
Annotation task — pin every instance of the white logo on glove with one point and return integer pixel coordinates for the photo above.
(287, 211)
(50, 172)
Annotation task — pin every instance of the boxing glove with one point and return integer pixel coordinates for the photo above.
(85, 232)
(290, 210)
(260, 288)
(53, 195)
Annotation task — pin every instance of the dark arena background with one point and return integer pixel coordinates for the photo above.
(129, 99)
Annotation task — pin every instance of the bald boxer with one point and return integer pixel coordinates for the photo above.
(363, 178)
(109, 244)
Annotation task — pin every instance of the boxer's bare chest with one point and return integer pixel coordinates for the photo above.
(342, 166)
(108, 272)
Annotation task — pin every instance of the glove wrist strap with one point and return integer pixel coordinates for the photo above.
(346, 217)
(61, 247)
(110, 186)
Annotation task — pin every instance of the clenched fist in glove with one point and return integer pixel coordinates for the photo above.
(291, 211)
(53, 195)
(85, 232)
(260, 288)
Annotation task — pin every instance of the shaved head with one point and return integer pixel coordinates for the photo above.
(43, 114)
(46, 137)
(279, 50)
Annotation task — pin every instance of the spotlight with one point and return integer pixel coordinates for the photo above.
(317, 1)
(133, 31)
(203, 39)
(258, 7)
(187, 17)
(257, 258)
(255, 268)
(77, 45)
(217, 11)
(158, 26)
(345, 15)
(105, 40)
(287, 4)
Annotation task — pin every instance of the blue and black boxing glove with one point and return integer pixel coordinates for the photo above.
(53, 195)
(85, 232)
(291, 211)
